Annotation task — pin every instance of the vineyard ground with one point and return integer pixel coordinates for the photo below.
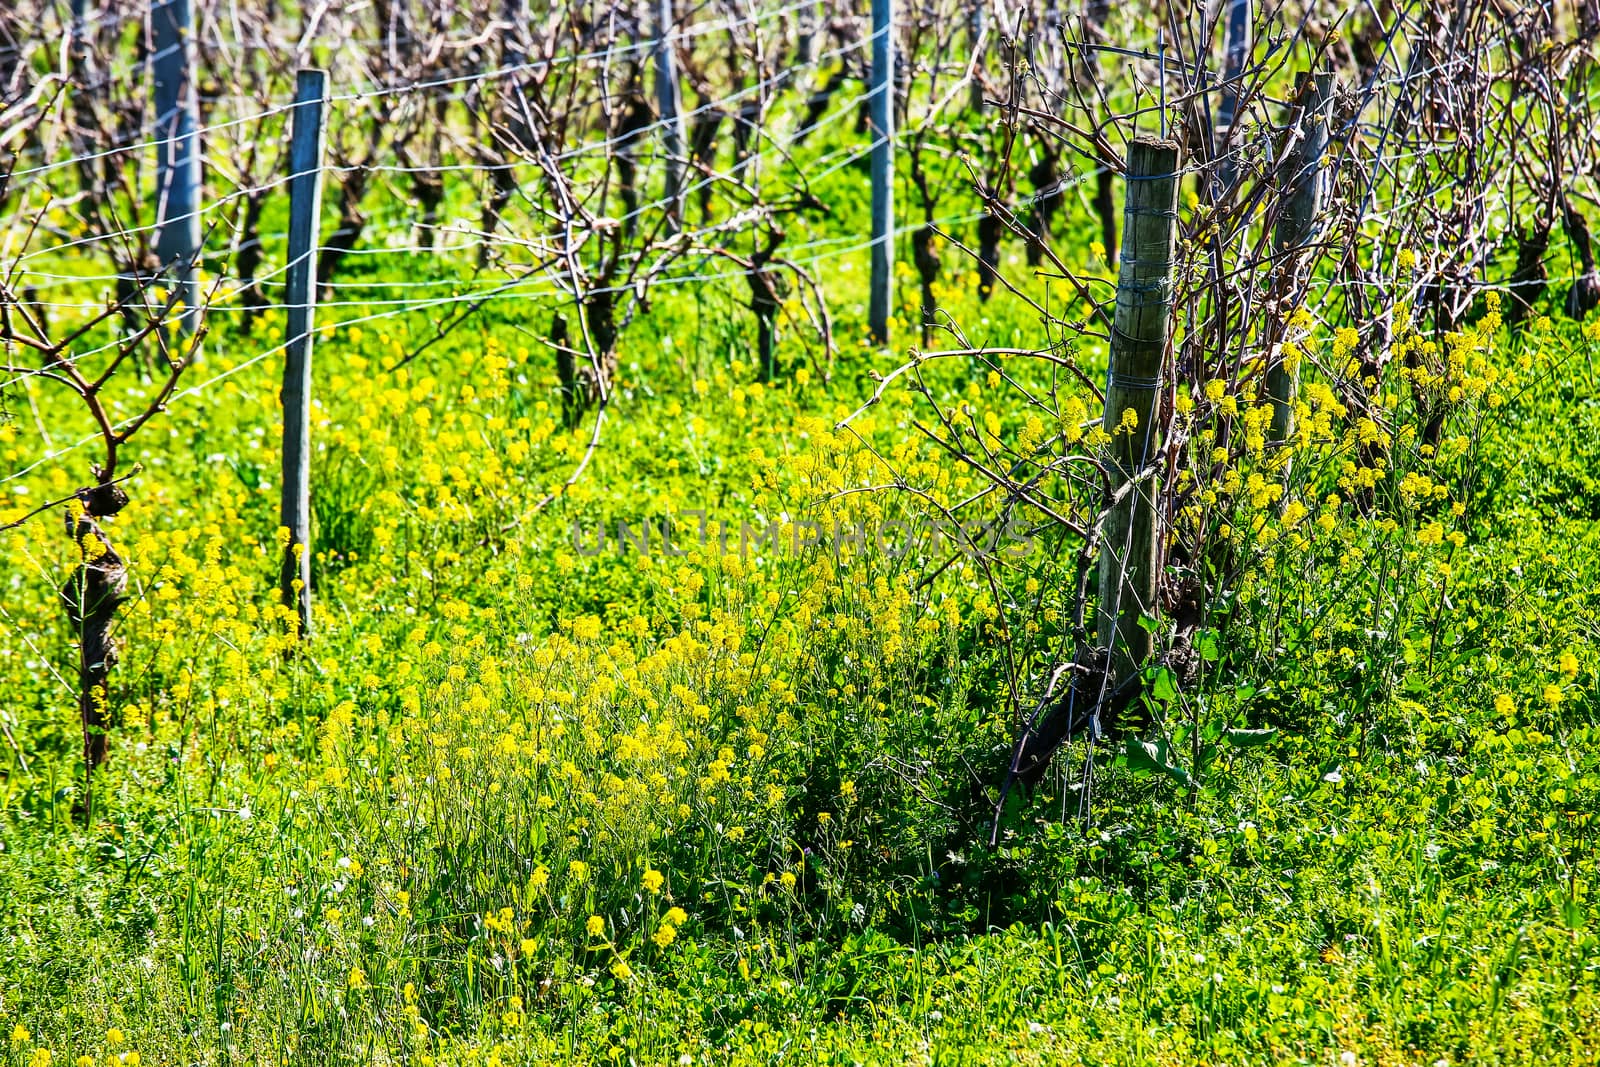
(530, 798)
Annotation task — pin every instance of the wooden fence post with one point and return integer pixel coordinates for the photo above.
(882, 95)
(177, 236)
(669, 102)
(305, 206)
(1296, 227)
(1130, 547)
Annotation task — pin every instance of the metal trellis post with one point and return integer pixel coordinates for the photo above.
(305, 205)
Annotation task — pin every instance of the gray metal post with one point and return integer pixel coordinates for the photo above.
(669, 101)
(1235, 51)
(177, 236)
(882, 297)
(305, 205)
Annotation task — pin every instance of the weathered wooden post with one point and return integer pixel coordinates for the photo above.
(669, 103)
(305, 205)
(882, 295)
(1130, 547)
(1303, 193)
(177, 235)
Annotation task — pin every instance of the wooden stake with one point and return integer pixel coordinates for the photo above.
(305, 206)
(1130, 549)
(1297, 223)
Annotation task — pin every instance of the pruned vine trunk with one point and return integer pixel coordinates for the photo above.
(91, 598)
